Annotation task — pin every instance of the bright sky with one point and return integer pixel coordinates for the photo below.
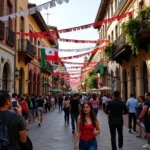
(74, 13)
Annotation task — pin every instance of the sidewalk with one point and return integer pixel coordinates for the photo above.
(55, 135)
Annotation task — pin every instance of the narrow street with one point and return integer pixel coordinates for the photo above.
(54, 134)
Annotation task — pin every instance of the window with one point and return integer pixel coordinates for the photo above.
(109, 37)
(116, 31)
(116, 4)
(141, 4)
(21, 24)
(112, 36)
(9, 11)
(112, 10)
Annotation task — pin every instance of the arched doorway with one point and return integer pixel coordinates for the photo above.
(117, 80)
(21, 79)
(6, 77)
(34, 84)
(38, 85)
(145, 78)
(125, 86)
(30, 83)
(133, 81)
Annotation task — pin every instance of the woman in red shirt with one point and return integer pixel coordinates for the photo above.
(87, 129)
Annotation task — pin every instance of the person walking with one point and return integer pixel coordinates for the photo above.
(66, 103)
(146, 114)
(87, 129)
(138, 109)
(95, 103)
(132, 103)
(40, 109)
(104, 102)
(74, 107)
(115, 110)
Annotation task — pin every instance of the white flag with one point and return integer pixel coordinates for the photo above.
(59, 1)
(52, 4)
(49, 52)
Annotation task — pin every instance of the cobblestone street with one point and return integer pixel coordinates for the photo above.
(54, 134)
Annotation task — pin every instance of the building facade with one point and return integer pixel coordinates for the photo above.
(32, 79)
(133, 70)
(7, 47)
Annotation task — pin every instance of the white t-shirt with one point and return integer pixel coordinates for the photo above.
(104, 99)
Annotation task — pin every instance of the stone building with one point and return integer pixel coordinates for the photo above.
(7, 47)
(130, 71)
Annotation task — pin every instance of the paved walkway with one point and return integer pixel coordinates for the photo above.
(55, 135)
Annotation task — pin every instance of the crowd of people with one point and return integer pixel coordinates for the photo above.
(16, 112)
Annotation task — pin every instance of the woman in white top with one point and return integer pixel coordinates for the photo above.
(95, 103)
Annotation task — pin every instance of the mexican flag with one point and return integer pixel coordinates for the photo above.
(56, 71)
(50, 54)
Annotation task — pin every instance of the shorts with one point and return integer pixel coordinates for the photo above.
(147, 126)
(25, 115)
(32, 111)
(40, 111)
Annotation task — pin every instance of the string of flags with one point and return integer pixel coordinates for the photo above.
(45, 6)
(82, 27)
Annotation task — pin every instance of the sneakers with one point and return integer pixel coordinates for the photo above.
(146, 146)
(120, 149)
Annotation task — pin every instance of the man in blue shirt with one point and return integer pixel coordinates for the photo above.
(132, 103)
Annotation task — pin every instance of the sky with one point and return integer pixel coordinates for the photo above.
(67, 15)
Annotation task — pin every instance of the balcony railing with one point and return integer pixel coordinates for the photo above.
(145, 22)
(121, 4)
(2, 26)
(49, 67)
(10, 37)
(26, 46)
(118, 44)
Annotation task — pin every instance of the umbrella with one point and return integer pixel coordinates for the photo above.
(45, 85)
(94, 89)
(105, 88)
(56, 91)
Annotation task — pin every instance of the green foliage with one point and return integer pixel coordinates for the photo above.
(92, 82)
(144, 12)
(91, 73)
(109, 50)
(131, 30)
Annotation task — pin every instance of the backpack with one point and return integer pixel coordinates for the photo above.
(4, 135)
(24, 107)
(31, 104)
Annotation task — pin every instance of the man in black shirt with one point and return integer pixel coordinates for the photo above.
(115, 110)
(16, 127)
(74, 107)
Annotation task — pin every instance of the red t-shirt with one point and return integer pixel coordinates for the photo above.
(87, 132)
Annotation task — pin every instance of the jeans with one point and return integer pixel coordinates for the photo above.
(132, 116)
(95, 111)
(66, 117)
(113, 135)
(74, 117)
(60, 106)
(88, 145)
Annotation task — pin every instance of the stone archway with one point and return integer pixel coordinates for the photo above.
(145, 78)
(30, 83)
(117, 80)
(21, 81)
(6, 84)
(133, 81)
(38, 84)
(125, 86)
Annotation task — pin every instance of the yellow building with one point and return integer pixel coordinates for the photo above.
(32, 79)
(132, 76)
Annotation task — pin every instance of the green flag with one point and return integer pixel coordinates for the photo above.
(102, 68)
(43, 58)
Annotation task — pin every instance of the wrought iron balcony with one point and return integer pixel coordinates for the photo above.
(26, 50)
(10, 37)
(2, 28)
(119, 44)
(49, 67)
